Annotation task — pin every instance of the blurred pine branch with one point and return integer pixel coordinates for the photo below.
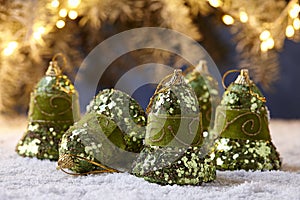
(100, 19)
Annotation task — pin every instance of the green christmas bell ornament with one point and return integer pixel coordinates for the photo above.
(125, 112)
(243, 123)
(93, 145)
(53, 109)
(206, 90)
(107, 138)
(173, 153)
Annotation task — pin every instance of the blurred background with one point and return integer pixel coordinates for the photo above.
(262, 36)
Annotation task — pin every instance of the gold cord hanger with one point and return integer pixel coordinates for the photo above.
(243, 78)
(226, 74)
(65, 161)
(62, 56)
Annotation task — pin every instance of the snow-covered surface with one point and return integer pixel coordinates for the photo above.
(26, 178)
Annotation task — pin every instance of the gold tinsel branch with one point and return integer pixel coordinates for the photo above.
(31, 32)
(258, 28)
(17, 39)
(263, 64)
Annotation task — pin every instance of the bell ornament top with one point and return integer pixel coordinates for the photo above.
(53, 69)
(243, 78)
(202, 67)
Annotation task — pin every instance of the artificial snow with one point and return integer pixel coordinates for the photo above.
(30, 178)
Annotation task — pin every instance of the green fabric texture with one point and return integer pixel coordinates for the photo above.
(50, 103)
(242, 124)
(242, 113)
(242, 121)
(173, 151)
(110, 133)
(97, 138)
(206, 90)
(173, 131)
(174, 119)
(125, 112)
(53, 109)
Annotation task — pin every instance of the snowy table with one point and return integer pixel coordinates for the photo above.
(30, 178)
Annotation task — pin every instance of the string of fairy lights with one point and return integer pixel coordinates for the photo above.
(69, 9)
(266, 37)
(41, 28)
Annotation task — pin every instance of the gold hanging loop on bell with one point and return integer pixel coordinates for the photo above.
(243, 79)
(226, 74)
(62, 56)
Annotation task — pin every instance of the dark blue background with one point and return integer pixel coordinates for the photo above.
(284, 100)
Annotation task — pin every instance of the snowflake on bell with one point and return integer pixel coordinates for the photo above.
(242, 119)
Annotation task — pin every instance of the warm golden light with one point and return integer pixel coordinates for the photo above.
(73, 3)
(227, 19)
(264, 35)
(55, 3)
(215, 3)
(9, 50)
(294, 12)
(243, 17)
(289, 31)
(270, 43)
(38, 32)
(37, 35)
(73, 14)
(264, 46)
(296, 23)
(63, 12)
(60, 23)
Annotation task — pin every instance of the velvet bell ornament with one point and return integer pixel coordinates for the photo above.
(53, 109)
(107, 138)
(172, 153)
(242, 119)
